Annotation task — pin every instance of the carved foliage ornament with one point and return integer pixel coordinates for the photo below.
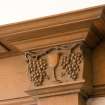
(54, 64)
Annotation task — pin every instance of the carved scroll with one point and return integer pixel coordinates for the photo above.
(56, 64)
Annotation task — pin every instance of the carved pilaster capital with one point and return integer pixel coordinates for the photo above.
(56, 67)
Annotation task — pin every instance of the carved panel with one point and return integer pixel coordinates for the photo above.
(57, 64)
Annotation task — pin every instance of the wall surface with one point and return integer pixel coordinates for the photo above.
(13, 77)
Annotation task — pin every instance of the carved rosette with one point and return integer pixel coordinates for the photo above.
(57, 64)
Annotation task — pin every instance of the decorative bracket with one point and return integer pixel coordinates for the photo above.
(57, 64)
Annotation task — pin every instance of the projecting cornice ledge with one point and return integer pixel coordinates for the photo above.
(20, 37)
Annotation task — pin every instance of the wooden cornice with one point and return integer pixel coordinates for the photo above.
(89, 14)
(19, 37)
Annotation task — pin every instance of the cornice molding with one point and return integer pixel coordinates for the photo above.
(24, 33)
(89, 14)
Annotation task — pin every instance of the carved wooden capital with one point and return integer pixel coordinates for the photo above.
(57, 64)
(62, 65)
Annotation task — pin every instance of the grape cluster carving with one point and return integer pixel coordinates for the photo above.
(70, 59)
(37, 69)
(71, 64)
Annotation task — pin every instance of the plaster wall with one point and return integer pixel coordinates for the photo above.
(13, 77)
